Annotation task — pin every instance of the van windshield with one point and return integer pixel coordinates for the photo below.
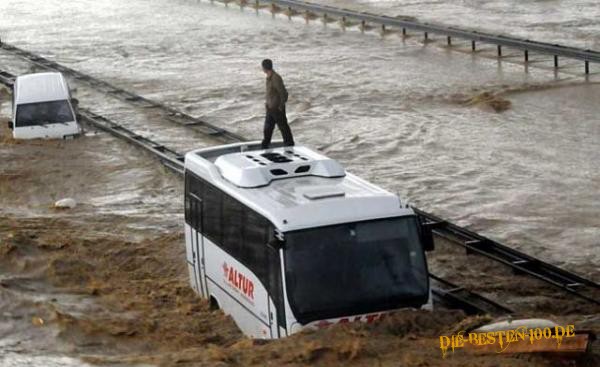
(355, 268)
(42, 113)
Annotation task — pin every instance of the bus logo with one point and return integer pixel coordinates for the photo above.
(238, 281)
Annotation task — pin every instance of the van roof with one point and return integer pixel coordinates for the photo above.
(322, 195)
(40, 87)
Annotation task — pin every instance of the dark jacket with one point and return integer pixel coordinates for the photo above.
(276, 93)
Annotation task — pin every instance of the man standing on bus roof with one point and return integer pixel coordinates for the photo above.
(275, 105)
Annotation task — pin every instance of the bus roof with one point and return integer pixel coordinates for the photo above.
(322, 194)
(40, 87)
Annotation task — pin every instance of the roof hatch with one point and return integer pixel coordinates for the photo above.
(323, 192)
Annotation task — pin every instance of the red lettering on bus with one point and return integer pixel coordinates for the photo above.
(371, 318)
(251, 290)
(239, 281)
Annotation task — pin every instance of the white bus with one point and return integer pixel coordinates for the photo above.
(284, 239)
(42, 107)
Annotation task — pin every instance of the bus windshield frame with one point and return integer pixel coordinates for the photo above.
(355, 268)
(44, 113)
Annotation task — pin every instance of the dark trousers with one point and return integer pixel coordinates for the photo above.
(277, 117)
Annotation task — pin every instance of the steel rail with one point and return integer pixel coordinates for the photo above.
(473, 242)
(454, 296)
(446, 293)
(449, 31)
(520, 262)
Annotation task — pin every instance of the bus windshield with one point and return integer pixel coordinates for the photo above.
(355, 268)
(42, 113)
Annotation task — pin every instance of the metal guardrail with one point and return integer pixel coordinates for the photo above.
(499, 40)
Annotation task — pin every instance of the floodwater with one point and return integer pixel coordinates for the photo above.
(398, 113)
(416, 118)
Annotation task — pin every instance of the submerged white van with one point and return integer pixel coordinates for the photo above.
(42, 108)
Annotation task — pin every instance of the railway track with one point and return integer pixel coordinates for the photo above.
(520, 262)
(444, 291)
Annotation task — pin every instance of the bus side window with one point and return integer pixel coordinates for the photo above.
(255, 242)
(232, 224)
(193, 186)
(212, 214)
(187, 205)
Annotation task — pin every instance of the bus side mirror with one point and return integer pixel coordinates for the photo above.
(427, 237)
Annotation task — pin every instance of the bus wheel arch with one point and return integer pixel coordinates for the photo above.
(213, 303)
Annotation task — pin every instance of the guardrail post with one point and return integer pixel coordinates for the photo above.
(449, 39)
(472, 45)
(499, 51)
(290, 12)
(363, 24)
(555, 61)
(426, 36)
(526, 55)
(587, 67)
(404, 31)
(382, 29)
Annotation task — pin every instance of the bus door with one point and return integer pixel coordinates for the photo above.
(197, 243)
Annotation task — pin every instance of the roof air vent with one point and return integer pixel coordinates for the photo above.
(276, 157)
(302, 169)
(260, 168)
(278, 172)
